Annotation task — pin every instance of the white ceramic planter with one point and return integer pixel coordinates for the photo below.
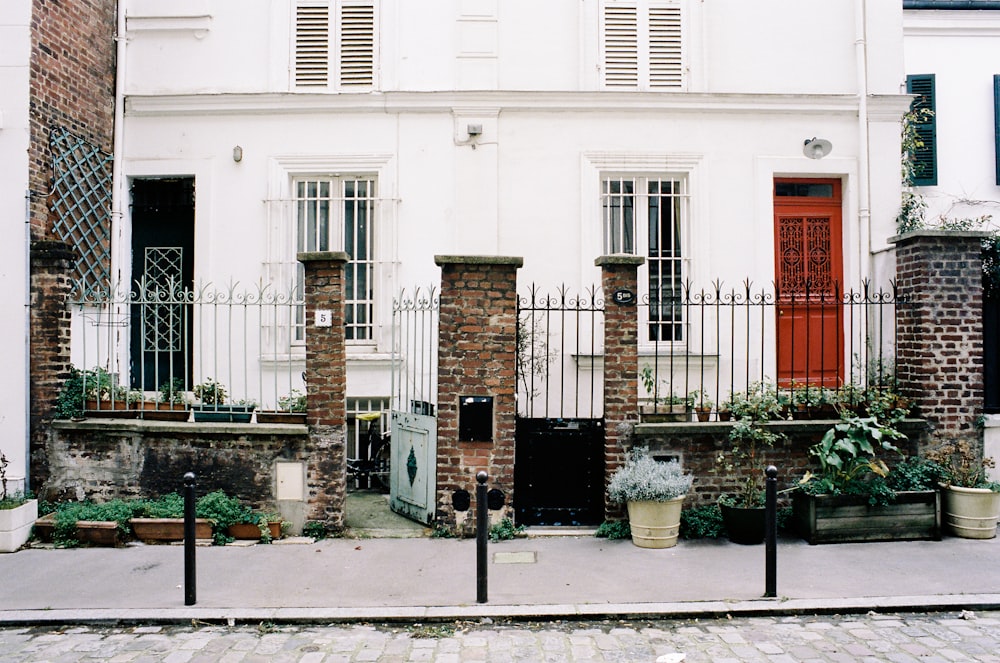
(971, 513)
(655, 524)
(15, 525)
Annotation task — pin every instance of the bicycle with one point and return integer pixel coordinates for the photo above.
(371, 468)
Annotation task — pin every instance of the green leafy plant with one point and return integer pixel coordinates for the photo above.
(614, 530)
(648, 379)
(170, 505)
(223, 511)
(293, 402)
(961, 466)
(642, 478)
(68, 514)
(315, 529)
(849, 460)
(172, 391)
(90, 385)
(742, 459)
(702, 522)
(9, 500)
(210, 392)
(505, 530)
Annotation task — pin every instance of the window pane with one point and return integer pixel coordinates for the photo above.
(619, 216)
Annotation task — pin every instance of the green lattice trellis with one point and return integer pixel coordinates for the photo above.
(81, 203)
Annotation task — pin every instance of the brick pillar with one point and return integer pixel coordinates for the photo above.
(621, 361)
(477, 356)
(940, 332)
(326, 391)
(52, 264)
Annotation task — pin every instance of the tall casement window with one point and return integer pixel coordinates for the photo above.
(642, 45)
(647, 216)
(334, 45)
(338, 214)
(925, 156)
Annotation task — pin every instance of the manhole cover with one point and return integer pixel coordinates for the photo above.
(514, 558)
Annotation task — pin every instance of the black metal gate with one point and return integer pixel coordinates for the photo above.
(559, 437)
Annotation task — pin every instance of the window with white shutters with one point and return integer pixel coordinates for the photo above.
(334, 45)
(642, 45)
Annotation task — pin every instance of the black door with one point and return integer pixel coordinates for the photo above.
(559, 472)
(162, 269)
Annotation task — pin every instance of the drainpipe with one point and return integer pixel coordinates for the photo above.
(864, 182)
(118, 247)
(27, 340)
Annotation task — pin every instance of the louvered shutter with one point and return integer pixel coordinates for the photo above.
(924, 157)
(665, 67)
(621, 45)
(312, 45)
(357, 44)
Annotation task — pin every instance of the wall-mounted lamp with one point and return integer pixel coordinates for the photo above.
(816, 148)
(237, 154)
(474, 130)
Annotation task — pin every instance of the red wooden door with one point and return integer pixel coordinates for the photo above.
(809, 274)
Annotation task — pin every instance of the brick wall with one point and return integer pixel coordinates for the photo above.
(326, 387)
(477, 333)
(621, 363)
(72, 85)
(940, 332)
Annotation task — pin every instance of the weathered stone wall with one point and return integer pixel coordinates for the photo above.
(107, 459)
(476, 357)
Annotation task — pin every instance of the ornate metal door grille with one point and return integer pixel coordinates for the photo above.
(81, 203)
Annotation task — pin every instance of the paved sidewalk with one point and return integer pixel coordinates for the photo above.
(426, 579)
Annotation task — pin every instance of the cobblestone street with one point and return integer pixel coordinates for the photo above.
(898, 638)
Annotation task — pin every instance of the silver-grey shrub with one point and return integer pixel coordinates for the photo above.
(643, 479)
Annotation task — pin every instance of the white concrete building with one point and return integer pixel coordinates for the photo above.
(550, 130)
(15, 51)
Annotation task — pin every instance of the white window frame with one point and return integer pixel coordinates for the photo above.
(655, 49)
(282, 269)
(598, 168)
(342, 50)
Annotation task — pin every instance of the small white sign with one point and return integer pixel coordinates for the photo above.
(324, 318)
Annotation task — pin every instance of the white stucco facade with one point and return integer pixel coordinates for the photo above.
(15, 18)
(201, 77)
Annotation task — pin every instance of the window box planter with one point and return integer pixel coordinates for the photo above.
(240, 414)
(914, 516)
(119, 409)
(251, 531)
(15, 525)
(166, 530)
(91, 532)
(278, 417)
(164, 411)
(664, 413)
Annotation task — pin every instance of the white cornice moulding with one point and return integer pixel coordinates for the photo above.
(950, 23)
(517, 101)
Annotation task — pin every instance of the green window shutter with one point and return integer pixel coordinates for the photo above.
(996, 122)
(925, 157)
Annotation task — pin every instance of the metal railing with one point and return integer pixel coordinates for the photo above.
(812, 348)
(160, 343)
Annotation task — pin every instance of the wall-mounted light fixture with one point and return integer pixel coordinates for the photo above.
(816, 148)
(237, 154)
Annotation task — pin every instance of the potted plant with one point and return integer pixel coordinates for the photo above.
(661, 408)
(653, 492)
(742, 461)
(162, 520)
(95, 393)
(18, 512)
(852, 497)
(170, 403)
(291, 410)
(703, 404)
(971, 500)
(212, 398)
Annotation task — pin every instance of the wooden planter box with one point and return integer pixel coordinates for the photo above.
(914, 516)
(165, 530)
(272, 417)
(110, 409)
(164, 411)
(251, 532)
(91, 532)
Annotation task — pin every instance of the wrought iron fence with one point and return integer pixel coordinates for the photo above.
(812, 348)
(415, 351)
(154, 345)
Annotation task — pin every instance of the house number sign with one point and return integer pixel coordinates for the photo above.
(624, 297)
(324, 318)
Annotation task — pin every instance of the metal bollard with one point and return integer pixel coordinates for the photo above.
(190, 590)
(771, 533)
(482, 536)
